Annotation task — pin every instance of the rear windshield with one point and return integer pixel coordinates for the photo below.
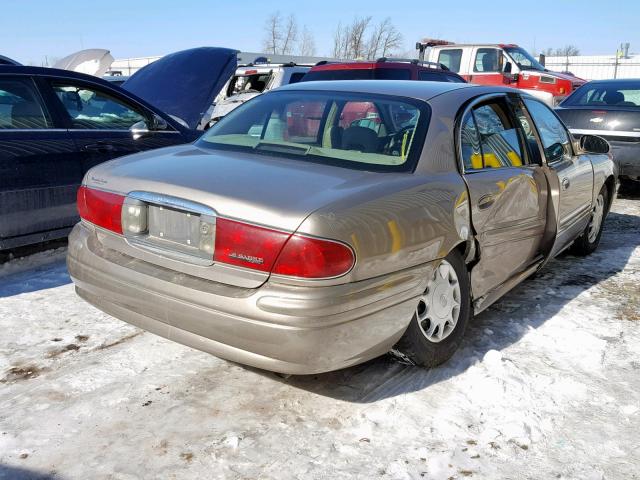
(602, 94)
(353, 130)
(359, 74)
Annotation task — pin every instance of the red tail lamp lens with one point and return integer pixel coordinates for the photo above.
(247, 245)
(308, 257)
(103, 209)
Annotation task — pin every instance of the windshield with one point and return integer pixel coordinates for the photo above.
(359, 74)
(353, 130)
(603, 94)
(523, 59)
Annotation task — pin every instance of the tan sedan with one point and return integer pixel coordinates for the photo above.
(323, 224)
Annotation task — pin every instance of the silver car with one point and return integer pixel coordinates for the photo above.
(326, 223)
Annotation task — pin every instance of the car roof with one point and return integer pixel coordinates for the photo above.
(51, 72)
(370, 65)
(615, 80)
(401, 88)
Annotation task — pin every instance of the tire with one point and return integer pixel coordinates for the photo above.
(588, 241)
(415, 344)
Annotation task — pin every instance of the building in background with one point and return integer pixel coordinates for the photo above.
(597, 67)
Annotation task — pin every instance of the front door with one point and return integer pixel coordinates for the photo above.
(38, 169)
(571, 176)
(486, 66)
(507, 191)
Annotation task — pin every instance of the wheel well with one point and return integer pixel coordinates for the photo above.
(610, 183)
(463, 248)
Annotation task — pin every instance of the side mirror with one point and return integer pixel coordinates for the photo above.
(139, 129)
(158, 123)
(594, 144)
(542, 59)
(507, 68)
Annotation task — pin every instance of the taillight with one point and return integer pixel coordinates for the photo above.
(247, 245)
(103, 209)
(278, 252)
(308, 257)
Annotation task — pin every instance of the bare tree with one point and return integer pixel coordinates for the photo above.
(307, 46)
(357, 32)
(362, 40)
(273, 33)
(391, 37)
(341, 41)
(566, 51)
(290, 36)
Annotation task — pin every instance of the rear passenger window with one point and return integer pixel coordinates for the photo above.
(555, 139)
(494, 130)
(20, 106)
(432, 76)
(470, 144)
(451, 59)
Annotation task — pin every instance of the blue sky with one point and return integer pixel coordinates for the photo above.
(33, 29)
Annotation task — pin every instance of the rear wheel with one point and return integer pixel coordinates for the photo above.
(441, 316)
(586, 243)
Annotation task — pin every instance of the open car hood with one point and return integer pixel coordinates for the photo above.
(184, 84)
(93, 61)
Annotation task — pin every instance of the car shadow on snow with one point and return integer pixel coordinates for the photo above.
(526, 307)
(18, 473)
(49, 274)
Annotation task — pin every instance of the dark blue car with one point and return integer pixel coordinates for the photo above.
(56, 124)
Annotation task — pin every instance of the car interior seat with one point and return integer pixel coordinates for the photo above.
(489, 62)
(613, 97)
(360, 138)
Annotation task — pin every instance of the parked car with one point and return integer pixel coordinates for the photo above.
(252, 80)
(382, 69)
(289, 239)
(610, 109)
(502, 64)
(56, 124)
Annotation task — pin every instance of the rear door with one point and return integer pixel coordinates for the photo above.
(507, 191)
(571, 176)
(102, 122)
(39, 171)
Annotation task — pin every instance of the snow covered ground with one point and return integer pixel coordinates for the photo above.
(546, 386)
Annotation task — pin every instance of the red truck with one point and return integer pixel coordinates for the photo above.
(501, 64)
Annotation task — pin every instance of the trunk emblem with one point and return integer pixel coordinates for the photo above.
(597, 120)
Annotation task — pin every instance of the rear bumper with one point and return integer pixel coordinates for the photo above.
(627, 157)
(277, 327)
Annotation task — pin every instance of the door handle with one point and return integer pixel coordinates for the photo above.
(99, 147)
(486, 201)
(565, 183)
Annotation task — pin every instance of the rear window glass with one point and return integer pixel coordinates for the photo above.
(255, 82)
(359, 74)
(451, 59)
(354, 130)
(619, 94)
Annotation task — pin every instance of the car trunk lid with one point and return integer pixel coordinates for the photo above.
(612, 123)
(274, 194)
